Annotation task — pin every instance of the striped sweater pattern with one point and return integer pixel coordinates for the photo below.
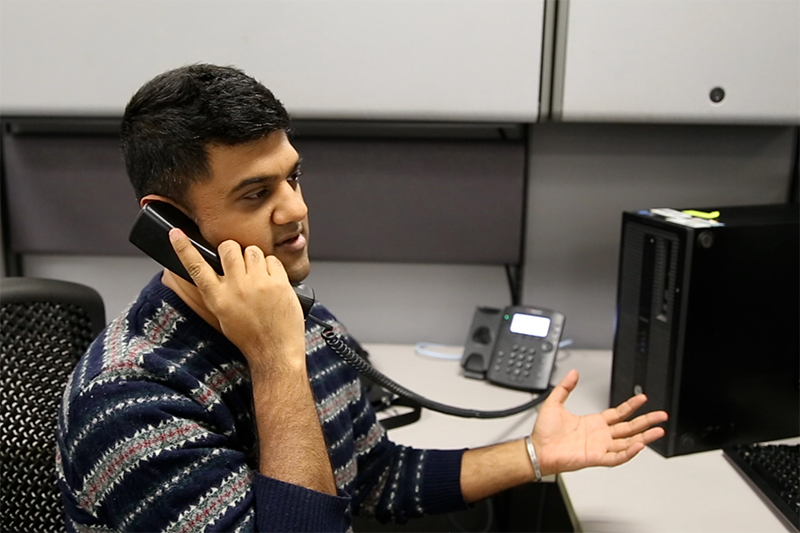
(157, 433)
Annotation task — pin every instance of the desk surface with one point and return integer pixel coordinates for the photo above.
(697, 492)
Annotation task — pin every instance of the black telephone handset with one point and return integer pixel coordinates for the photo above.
(150, 233)
(513, 347)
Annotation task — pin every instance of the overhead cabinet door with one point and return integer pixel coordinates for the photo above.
(678, 61)
(355, 59)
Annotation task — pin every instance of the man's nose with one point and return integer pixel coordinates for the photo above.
(291, 206)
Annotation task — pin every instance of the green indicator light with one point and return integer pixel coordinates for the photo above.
(506, 317)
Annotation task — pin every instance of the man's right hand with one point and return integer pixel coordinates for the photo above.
(258, 310)
(254, 302)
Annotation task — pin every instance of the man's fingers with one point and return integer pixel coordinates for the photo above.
(622, 456)
(197, 267)
(624, 410)
(230, 255)
(645, 438)
(561, 391)
(652, 434)
(637, 425)
(254, 259)
(275, 267)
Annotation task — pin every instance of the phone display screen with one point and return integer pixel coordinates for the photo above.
(535, 326)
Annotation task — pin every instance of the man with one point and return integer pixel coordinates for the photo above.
(211, 405)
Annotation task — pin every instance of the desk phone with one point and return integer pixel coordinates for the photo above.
(514, 347)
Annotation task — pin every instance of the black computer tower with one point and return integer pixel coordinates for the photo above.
(708, 314)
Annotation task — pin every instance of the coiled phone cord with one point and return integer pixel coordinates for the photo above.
(349, 356)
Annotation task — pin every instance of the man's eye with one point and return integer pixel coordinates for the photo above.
(294, 178)
(256, 195)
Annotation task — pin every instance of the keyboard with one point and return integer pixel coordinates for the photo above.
(774, 471)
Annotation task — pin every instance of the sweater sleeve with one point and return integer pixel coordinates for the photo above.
(277, 504)
(390, 482)
(140, 450)
(396, 482)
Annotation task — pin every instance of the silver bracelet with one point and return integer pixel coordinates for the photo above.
(534, 461)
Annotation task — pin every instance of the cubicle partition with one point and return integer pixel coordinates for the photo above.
(377, 192)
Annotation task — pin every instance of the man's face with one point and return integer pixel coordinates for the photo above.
(253, 197)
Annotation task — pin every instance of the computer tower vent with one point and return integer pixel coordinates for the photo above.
(647, 311)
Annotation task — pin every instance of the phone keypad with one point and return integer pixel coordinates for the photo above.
(524, 361)
(517, 363)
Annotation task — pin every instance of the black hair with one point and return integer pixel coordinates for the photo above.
(173, 118)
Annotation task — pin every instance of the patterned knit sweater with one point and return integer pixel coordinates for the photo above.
(157, 433)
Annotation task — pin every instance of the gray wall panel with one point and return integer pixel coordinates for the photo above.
(400, 200)
(68, 194)
(582, 176)
(425, 201)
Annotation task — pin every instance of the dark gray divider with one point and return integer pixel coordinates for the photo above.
(425, 201)
(451, 195)
(67, 194)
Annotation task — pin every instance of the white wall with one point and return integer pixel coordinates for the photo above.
(378, 302)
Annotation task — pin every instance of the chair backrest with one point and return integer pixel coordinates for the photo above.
(45, 326)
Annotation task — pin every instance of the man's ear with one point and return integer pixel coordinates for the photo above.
(158, 198)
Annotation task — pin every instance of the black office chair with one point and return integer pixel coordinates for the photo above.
(45, 326)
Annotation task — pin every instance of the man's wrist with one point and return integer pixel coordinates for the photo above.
(275, 361)
(534, 459)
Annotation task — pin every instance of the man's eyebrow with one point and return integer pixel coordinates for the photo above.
(266, 179)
